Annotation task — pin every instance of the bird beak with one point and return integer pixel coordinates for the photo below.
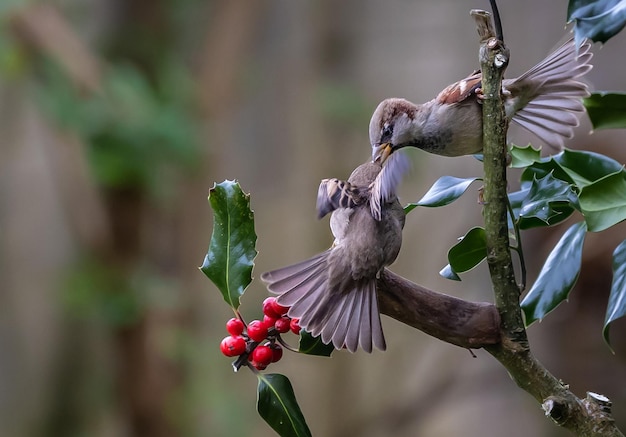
(382, 152)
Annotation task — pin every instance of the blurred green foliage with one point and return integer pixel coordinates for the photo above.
(138, 134)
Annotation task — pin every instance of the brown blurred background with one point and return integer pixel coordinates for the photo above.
(117, 116)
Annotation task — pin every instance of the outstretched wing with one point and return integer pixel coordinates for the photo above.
(334, 194)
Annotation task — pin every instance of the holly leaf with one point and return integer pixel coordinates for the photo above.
(548, 201)
(522, 157)
(230, 259)
(469, 252)
(444, 191)
(313, 345)
(585, 168)
(598, 20)
(558, 275)
(541, 169)
(448, 273)
(603, 203)
(277, 405)
(606, 110)
(617, 299)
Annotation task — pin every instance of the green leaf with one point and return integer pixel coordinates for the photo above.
(445, 191)
(603, 203)
(448, 273)
(231, 254)
(469, 252)
(585, 167)
(313, 345)
(548, 201)
(522, 157)
(606, 110)
(598, 20)
(558, 275)
(543, 168)
(277, 405)
(617, 299)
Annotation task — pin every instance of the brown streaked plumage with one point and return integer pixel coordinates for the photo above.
(546, 101)
(334, 293)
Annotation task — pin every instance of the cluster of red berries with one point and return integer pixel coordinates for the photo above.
(258, 340)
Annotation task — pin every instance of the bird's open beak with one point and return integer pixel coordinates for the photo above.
(382, 152)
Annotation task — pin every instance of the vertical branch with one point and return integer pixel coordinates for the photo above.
(494, 59)
(585, 417)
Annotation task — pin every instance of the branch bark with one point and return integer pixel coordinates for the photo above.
(584, 417)
(453, 320)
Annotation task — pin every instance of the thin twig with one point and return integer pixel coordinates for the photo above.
(518, 247)
(496, 19)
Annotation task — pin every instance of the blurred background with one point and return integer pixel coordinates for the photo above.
(117, 116)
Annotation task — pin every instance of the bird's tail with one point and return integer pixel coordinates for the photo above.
(347, 319)
(556, 105)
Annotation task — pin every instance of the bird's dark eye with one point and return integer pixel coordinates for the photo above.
(386, 134)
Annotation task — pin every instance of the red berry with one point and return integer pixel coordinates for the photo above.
(257, 330)
(269, 321)
(268, 308)
(279, 309)
(277, 353)
(259, 366)
(295, 326)
(282, 325)
(233, 346)
(262, 355)
(234, 326)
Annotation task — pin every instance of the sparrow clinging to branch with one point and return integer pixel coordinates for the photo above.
(546, 101)
(334, 293)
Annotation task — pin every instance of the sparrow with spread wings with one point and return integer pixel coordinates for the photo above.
(334, 293)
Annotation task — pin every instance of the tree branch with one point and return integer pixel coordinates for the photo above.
(585, 417)
(453, 320)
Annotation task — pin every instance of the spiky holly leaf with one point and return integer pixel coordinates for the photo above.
(522, 157)
(548, 201)
(230, 258)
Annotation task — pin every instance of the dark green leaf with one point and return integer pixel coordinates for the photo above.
(524, 156)
(448, 273)
(543, 168)
(585, 167)
(516, 198)
(606, 110)
(231, 254)
(469, 252)
(617, 299)
(598, 20)
(277, 405)
(313, 345)
(603, 203)
(549, 201)
(445, 191)
(558, 275)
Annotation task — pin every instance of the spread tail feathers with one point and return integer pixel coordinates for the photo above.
(347, 319)
(553, 110)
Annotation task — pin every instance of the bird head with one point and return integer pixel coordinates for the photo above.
(392, 127)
